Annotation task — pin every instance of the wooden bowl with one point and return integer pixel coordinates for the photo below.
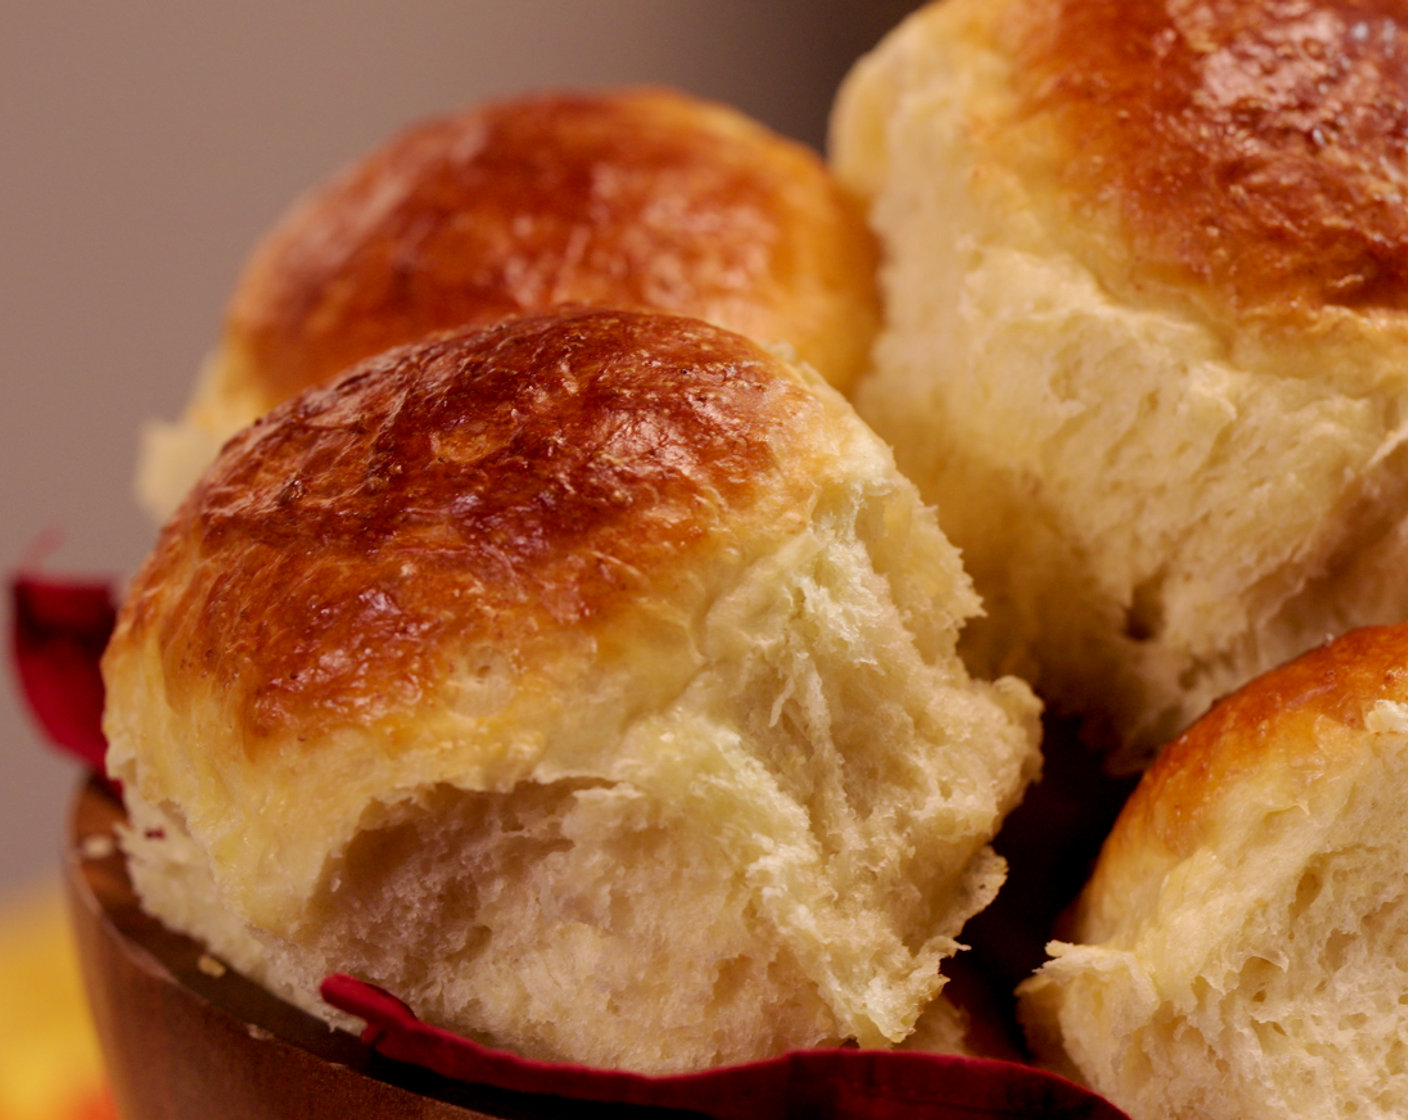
(186, 1039)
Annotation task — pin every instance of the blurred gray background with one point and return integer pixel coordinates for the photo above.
(143, 148)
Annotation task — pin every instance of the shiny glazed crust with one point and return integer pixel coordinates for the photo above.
(636, 198)
(1282, 732)
(475, 493)
(588, 681)
(1245, 149)
(642, 198)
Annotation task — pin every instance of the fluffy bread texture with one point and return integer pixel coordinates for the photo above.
(1240, 949)
(644, 198)
(1145, 272)
(589, 682)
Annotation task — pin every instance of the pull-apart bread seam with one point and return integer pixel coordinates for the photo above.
(1145, 276)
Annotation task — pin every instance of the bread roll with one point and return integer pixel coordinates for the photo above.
(1239, 951)
(638, 198)
(1145, 271)
(588, 682)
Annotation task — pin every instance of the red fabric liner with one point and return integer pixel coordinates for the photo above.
(59, 632)
(60, 629)
(834, 1084)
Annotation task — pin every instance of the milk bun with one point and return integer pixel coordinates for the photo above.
(588, 681)
(1239, 950)
(1146, 271)
(642, 198)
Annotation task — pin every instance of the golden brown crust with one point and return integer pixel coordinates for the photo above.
(639, 198)
(1276, 722)
(472, 488)
(1256, 147)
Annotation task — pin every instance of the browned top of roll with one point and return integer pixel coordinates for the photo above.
(1259, 147)
(643, 198)
(1282, 725)
(492, 488)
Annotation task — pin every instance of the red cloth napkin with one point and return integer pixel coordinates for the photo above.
(833, 1084)
(59, 632)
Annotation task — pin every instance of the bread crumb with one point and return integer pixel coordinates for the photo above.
(1387, 716)
(97, 846)
(210, 966)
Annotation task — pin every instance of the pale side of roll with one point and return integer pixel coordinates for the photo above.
(1145, 272)
(644, 198)
(1240, 950)
(589, 682)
